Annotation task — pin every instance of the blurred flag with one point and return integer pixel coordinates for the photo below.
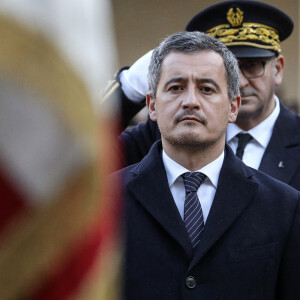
(58, 213)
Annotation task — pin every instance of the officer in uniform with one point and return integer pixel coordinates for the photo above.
(266, 134)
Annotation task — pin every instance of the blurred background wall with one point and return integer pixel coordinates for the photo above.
(141, 24)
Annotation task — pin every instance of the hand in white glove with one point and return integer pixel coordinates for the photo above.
(134, 80)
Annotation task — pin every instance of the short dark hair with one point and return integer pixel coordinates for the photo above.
(193, 42)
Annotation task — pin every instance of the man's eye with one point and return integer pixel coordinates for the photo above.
(206, 90)
(251, 64)
(175, 88)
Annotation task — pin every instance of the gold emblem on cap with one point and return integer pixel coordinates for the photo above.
(235, 18)
(248, 34)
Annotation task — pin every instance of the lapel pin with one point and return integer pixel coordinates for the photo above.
(280, 165)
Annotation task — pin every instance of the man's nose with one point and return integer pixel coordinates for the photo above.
(191, 100)
(243, 80)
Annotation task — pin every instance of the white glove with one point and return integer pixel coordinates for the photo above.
(134, 80)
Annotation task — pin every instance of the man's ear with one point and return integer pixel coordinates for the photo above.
(235, 105)
(278, 69)
(151, 104)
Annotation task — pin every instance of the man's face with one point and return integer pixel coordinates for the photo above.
(258, 93)
(192, 108)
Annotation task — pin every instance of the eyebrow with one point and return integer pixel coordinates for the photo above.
(174, 79)
(209, 80)
(200, 80)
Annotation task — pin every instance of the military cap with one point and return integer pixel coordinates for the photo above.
(248, 28)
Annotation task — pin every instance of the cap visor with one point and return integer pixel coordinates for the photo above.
(247, 51)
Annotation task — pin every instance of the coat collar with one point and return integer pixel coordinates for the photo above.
(279, 159)
(150, 187)
(235, 191)
(287, 127)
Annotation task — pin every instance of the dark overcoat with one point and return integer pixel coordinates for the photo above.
(249, 248)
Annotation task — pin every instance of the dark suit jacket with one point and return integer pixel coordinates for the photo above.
(249, 249)
(281, 159)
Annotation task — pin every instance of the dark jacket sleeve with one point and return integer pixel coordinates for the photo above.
(138, 140)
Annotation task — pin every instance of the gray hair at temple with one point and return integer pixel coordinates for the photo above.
(193, 42)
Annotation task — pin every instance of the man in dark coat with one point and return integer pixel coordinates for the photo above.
(200, 224)
(252, 31)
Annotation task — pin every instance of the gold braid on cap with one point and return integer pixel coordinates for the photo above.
(246, 34)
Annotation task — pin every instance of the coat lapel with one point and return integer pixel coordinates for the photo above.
(150, 187)
(280, 159)
(233, 194)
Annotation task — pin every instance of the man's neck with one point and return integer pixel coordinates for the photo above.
(193, 158)
(247, 124)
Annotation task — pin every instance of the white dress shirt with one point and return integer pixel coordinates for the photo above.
(207, 190)
(261, 134)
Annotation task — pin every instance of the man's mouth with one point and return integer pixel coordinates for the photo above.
(246, 98)
(190, 118)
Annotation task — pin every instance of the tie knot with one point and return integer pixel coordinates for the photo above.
(192, 181)
(244, 138)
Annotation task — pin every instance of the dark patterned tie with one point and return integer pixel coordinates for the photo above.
(244, 139)
(193, 216)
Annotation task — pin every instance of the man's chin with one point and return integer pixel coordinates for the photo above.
(183, 139)
(189, 141)
(246, 110)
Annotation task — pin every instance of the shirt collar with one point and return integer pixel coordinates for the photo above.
(261, 132)
(175, 170)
